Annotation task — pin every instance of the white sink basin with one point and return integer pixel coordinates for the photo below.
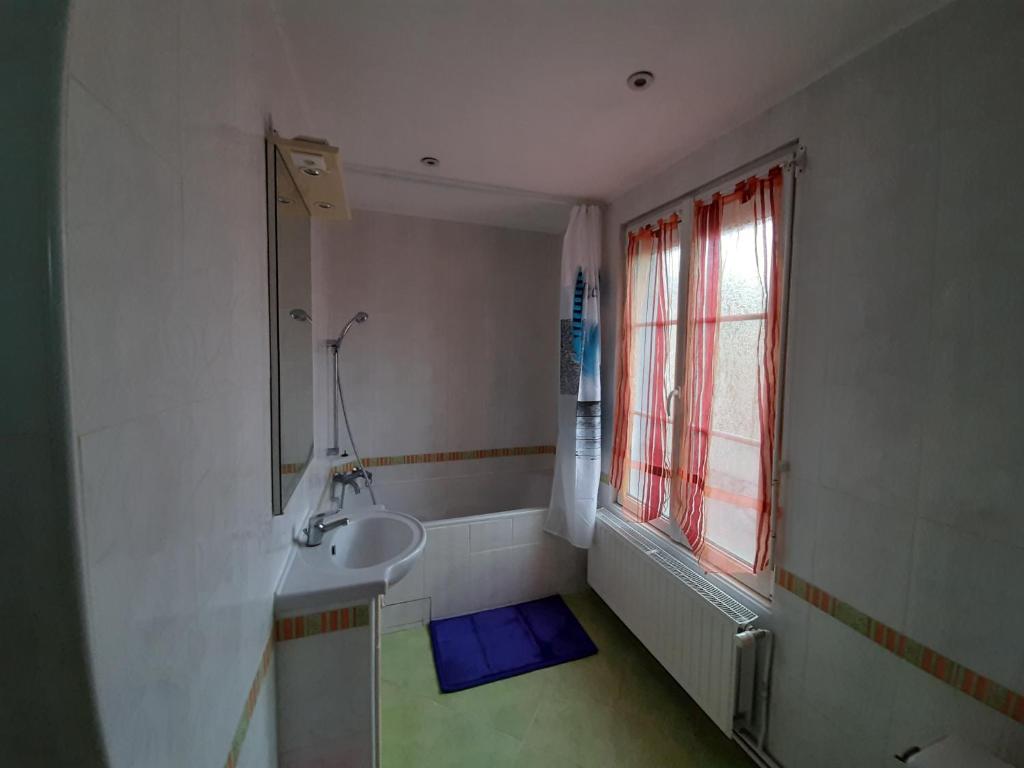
(371, 540)
(354, 563)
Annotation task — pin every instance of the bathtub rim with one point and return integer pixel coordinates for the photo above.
(481, 518)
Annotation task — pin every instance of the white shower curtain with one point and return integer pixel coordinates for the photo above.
(578, 455)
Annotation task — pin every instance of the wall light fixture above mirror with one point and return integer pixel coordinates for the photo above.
(316, 167)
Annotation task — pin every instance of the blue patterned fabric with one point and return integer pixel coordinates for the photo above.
(578, 453)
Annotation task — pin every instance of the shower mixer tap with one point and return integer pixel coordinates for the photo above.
(349, 479)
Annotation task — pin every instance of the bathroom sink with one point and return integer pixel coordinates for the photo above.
(370, 541)
(354, 563)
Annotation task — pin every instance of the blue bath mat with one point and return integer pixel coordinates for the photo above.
(491, 645)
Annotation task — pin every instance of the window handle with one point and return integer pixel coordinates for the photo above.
(670, 399)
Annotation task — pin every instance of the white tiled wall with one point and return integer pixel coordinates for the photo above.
(166, 303)
(461, 488)
(484, 562)
(461, 348)
(903, 414)
(259, 750)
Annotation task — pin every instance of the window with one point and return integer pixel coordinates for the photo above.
(697, 399)
(651, 336)
(731, 492)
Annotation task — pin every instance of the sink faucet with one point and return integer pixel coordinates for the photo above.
(348, 480)
(318, 527)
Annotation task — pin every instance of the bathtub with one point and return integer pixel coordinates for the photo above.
(475, 562)
(445, 490)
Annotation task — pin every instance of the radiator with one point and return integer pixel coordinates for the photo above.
(684, 620)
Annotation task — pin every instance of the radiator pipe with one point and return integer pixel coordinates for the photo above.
(762, 689)
(760, 758)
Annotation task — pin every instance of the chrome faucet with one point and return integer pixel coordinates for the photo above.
(318, 527)
(348, 480)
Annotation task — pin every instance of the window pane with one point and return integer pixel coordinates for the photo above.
(734, 408)
(731, 528)
(744, 271)
(654, 283)
(641, 429)
(732, 489)
(643, 348)
(672, 266)
(733, 468)
(638, 437)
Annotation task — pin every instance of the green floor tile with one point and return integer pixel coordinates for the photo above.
(531, 758)
(647, 690)
(407, 661)
(575, 731)
(597, 677)
(508, 705)
(418, 733)
(617, 709)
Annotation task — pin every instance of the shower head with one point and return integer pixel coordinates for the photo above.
(300, 315)
(358, 317)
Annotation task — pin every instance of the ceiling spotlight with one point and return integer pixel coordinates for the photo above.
(312, 171)
(430, 161)
(322, 204)
(640, 81)
(284, 200)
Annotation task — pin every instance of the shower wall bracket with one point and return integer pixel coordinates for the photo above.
(332, 348)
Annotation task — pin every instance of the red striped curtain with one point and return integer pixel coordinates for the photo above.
(766, 198)
(642, 443)
(720, 500)
(699, 376)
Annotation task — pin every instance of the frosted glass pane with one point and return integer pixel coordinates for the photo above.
(731, 528)
(744, 272)
(733, 466)
(734, 409)
(672, 283)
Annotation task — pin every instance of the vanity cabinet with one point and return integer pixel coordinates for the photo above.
(328, 687)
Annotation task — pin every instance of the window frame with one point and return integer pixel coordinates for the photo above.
(685, 214)
(760, 586)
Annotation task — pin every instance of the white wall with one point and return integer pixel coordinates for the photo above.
(167, 318)
(903, 416)
(460, 353)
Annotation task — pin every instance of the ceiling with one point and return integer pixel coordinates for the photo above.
(532, 95)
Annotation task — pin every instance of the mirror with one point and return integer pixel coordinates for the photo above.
(291, 330)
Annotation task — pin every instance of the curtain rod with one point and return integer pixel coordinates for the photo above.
(767, 157)
(472, 186)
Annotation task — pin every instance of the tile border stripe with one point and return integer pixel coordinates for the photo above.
(290, 629)
(322, 623)
(990, 693)
(250, 704)
(440, 456)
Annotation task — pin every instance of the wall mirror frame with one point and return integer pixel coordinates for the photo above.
(289, 273)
